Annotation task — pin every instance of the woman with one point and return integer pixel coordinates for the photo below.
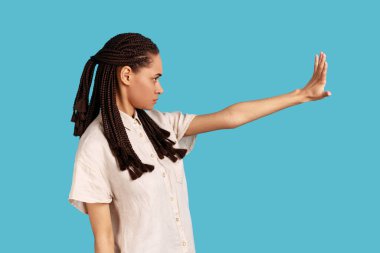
(128, 171)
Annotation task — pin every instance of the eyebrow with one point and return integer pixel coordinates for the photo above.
(158, 74)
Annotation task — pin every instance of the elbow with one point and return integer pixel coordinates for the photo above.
(232, 120)
(104, 243)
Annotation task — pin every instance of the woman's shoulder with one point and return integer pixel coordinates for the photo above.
(160, 117)
(93, 140)
(155, 114)
(173, 119)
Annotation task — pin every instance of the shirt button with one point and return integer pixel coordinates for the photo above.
(171, 198)
(141, 135)
(152, 155)
(163, 174)
(177, 219)
(184, 243)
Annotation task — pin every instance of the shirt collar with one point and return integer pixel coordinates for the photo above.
(128, 120)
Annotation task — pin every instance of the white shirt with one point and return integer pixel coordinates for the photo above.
(150, 214)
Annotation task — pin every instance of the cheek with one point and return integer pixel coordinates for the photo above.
(141, 93)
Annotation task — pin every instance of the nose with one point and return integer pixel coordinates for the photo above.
(160, 90)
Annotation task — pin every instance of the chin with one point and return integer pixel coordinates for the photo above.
(149, 107)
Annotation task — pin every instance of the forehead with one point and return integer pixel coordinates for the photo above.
(156, 64)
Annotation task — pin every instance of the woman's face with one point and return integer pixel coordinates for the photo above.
(143, 88)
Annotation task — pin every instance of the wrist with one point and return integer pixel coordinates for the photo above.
(300, 96)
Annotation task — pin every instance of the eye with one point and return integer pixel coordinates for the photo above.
(155, 79)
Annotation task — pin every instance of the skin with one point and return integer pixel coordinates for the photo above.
(139, 89)
(101, 224)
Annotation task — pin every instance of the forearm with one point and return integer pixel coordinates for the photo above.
(104, 245)
(244, 112)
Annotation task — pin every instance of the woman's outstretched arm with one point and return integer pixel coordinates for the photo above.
(241, 113)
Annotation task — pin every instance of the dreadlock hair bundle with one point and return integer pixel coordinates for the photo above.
(132, 49)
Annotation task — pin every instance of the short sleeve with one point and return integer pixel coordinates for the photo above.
(88, 185)
(180, 122)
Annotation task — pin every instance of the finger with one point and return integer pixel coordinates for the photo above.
(321, 64)
(324, 72)
(315, 63)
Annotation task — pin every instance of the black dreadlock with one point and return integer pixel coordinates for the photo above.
(132, 49)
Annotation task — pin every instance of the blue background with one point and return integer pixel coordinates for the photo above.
(305, 179)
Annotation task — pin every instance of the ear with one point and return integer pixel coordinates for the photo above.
(125, 74)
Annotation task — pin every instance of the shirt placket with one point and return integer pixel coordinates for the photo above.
(172, 195)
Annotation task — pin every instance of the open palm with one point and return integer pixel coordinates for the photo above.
(314, 89)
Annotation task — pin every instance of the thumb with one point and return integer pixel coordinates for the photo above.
(327, 93)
